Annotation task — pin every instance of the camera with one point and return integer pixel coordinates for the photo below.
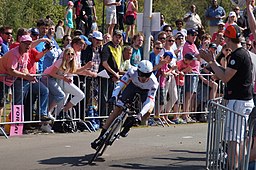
(48, 46)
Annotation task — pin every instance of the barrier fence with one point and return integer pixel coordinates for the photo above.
(98, 90)
(228, 131)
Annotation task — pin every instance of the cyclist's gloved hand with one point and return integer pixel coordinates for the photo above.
(112, 100)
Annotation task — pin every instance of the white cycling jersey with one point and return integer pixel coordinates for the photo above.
(151, 85)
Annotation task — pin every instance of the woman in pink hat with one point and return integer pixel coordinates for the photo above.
(69, 18)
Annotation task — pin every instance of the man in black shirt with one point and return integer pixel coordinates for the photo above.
(238, 91)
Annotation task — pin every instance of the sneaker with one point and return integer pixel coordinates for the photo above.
(179, 121)
(190, 120)
(51, 117)
(95, 143)
(45, 118)
(47, 128)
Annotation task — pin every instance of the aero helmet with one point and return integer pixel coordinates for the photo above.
(145, 68)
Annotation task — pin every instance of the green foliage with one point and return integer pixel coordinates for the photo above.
(25, 13)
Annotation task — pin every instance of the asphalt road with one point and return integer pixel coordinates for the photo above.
(150, 148)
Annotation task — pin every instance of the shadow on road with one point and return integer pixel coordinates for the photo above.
(71, 161)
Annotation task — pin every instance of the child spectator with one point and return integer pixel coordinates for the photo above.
(69, 18)
(66, 40)
(163, 74)
(59, 30)
(184, 67)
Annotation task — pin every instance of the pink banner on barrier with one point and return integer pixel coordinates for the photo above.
(16, 116)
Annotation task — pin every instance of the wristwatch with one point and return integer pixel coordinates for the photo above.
(210, 62)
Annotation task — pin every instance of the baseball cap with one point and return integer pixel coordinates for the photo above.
(70, 3)
(34, 31)
(25, 38)
(232, 13)
(167, 53)
(85, 39)
(191, 32)
(190, 56)
(221, 23)
(78, 32)
(97, 35)
(213, 45)
(232, 31)
(179, 35)
(118, 32)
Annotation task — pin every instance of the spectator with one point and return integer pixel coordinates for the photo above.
(60, 83)
(248, 44)
(111, 19)
(126, 64)
(168, 29)
(237, 75)
(222, 57)
(107, 38)
(1, 42)
(66, 40)
(77, 12)
(88, 15)
(167, 87)
(154, 56)
(232, 19)
(120, 10)
(241, 22)
(137, 49)
(111, 56)
(51, 56)
(220, 41)
(43, 26)
(14, 64)
(59, 30)
(34, 34)
(6, 34)
(92, 54)
(178, 46)
(162, 24)
(247, 31)
(221, 27)
(191, 81)
(179, 25)
(215, 14)
(130, 17)
(69, 18)
(192, 19)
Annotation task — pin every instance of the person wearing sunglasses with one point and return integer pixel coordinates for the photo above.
(60, 84)
(138, 80)
(155, 55)
(6, 34)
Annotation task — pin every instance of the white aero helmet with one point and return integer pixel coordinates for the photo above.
(145, 68)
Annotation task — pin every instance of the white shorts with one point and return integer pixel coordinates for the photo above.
(235, 123)
(111, 17)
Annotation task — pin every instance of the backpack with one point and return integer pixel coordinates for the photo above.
(64, 126)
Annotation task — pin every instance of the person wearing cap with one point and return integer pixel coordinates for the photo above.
(178, 46)
(191, 80)
(92, 54)
(221, 27)
(213, 48)
(215, 14)
(166, 87)
(238, 90)
(232, 19)
(34, 33)
(14, 64)
(111, 57)
(69, 18)
(192, 19)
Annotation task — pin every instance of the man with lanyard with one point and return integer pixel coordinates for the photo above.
(111, 56)
(238, 90)
(137, 80)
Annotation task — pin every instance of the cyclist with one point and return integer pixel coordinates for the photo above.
(137, 81)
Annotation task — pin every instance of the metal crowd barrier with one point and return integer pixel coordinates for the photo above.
(218, 155)
(95, 97)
